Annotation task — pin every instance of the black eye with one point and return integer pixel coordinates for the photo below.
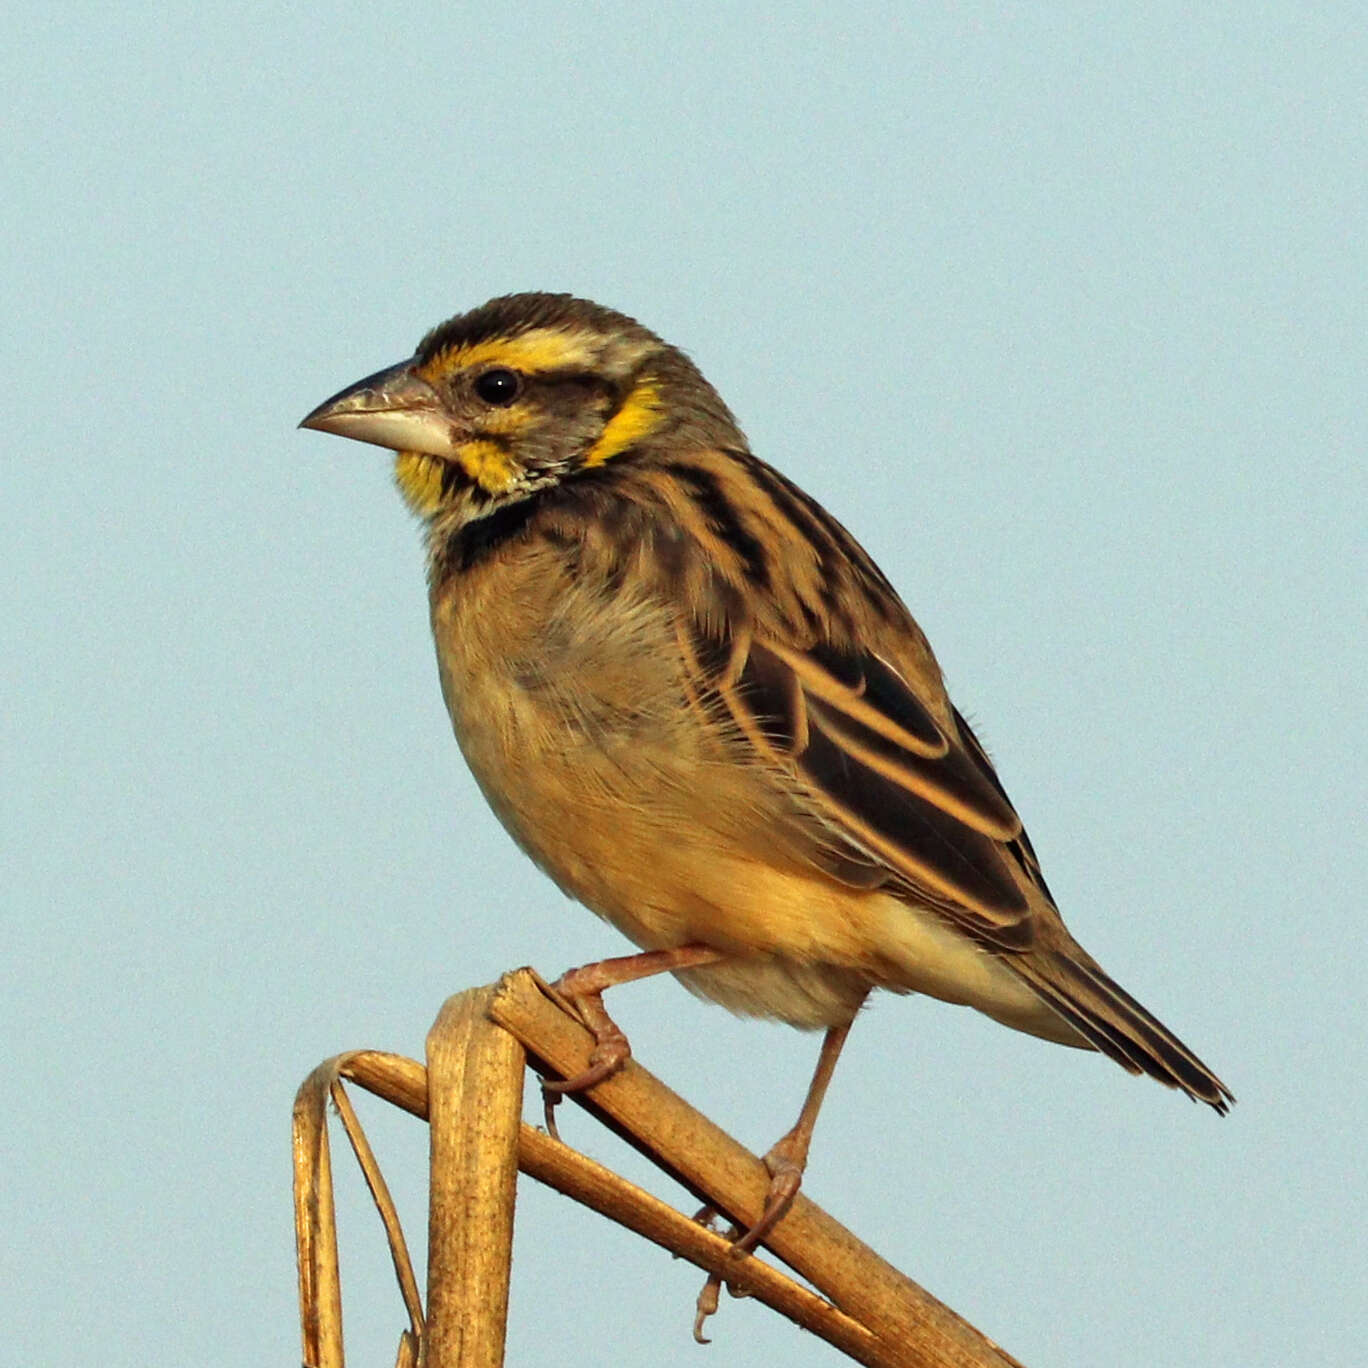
(498, 386)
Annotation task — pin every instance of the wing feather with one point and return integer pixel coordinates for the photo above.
(894, 789)
(803, 657)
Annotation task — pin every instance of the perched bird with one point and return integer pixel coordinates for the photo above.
(696, 702)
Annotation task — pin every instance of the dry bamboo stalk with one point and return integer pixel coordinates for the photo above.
(475, 1078)
(384, 1203)
(902, 1315)
(402, 1082)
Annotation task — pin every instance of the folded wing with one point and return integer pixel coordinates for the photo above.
(909, 801)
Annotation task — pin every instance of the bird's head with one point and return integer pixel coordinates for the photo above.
(525, 392)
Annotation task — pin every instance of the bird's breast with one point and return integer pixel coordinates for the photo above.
(571, 709)
(568, 701)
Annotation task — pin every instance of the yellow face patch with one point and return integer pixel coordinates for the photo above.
(419, 476)
(485, 460)
(488, 464)
(640, 412)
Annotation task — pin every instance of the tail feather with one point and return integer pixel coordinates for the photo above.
(1113, 1022)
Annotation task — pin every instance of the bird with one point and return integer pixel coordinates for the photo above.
(696, 702)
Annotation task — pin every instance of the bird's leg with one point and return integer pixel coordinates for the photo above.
(786, 1162)
(585, 987)
(788, 1158)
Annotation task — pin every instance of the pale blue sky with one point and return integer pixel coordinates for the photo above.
(1060, 308)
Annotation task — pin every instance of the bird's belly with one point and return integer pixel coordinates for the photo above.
(638, 819)
(644, 816)
(669, 864)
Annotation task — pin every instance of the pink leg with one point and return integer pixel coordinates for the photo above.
(788, 1158)
(786, 1162)
(585, 987)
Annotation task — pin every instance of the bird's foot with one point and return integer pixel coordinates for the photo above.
(786, 1176)
(609, 1054)
(710, 1295)
(584, 989)
(611, 1050)
(785, 1162)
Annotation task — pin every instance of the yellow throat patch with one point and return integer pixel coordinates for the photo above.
(419, 476)
(488, 465)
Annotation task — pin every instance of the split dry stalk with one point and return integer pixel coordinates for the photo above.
(871, 1312)
(475, 1078)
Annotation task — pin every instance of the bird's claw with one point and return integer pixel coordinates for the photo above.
(609, 1055)
(786, 1177)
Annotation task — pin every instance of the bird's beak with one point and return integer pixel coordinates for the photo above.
(392, 408)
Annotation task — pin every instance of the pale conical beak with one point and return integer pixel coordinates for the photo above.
(392, 408)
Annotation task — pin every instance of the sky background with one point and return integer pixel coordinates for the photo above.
(1060, 308)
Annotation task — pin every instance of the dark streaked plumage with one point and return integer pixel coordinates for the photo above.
(697, 703)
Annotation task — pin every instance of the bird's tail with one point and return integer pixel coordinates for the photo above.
(1076, 986)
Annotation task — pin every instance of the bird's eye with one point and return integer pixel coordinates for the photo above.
(498, 386)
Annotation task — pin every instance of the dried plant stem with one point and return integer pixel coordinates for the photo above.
(402, 1082)
(569, 1172)
(875, 1315)
(899, 1313)
(320, 1289)
(475, 1077)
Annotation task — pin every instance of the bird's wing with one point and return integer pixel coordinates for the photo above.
(910, 801)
